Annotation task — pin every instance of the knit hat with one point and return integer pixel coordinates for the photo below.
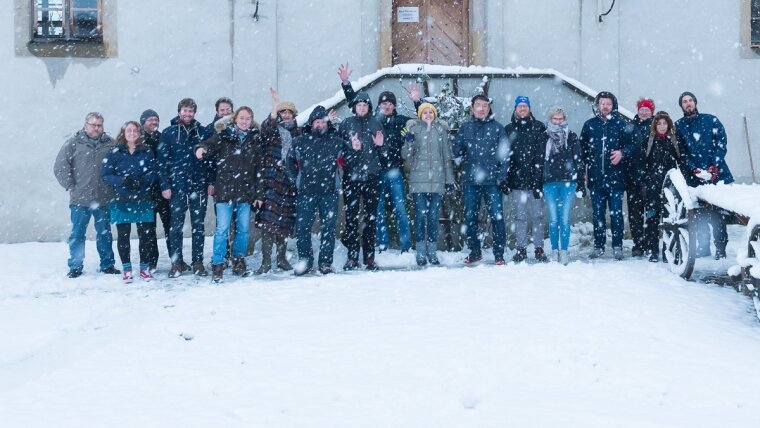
(687, 93)
(147, 114)
(287, 105)
(386, 96)
(645, 102)
(522, 100)
(479, 97)
(424, 106)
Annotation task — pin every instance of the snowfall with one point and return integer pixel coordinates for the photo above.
(591, 344)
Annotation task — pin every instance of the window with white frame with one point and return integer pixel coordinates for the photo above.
(755, 23)
(68, 20)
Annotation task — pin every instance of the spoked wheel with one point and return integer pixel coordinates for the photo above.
(677, 230)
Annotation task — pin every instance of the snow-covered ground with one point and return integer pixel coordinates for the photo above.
(625, 344)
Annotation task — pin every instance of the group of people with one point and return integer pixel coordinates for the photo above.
(283, 176)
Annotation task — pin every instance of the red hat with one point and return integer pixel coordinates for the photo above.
(645, 102)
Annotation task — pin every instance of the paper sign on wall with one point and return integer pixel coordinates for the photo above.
(408, 14)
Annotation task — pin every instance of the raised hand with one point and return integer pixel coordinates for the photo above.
(378, 139)
(356, 143)
(414, 92)
(332, 115)
(344, 72)
(273, 93)
(200, 153)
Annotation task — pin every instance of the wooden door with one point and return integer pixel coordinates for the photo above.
(431, 31)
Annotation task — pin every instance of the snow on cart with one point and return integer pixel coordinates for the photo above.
(686, 207)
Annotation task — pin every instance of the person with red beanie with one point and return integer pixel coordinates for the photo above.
(635, 172)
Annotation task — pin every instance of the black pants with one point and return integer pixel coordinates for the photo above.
(163, 211)
(651, 241)
(636, 206)
(146, 232)
(354, 193)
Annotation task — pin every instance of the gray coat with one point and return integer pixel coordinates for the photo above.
(428, 157)
(77, 169)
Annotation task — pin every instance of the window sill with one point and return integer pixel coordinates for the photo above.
(68, 48)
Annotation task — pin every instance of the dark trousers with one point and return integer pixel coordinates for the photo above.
(196, 203)
(354, 193)
(162, 210)
(145, 233)
(307, 207)
(603, 198)
(651, 240)
(492, 196)
(636, 206)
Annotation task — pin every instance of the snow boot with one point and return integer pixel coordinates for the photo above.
(176, 270)
(596, 253)
(198, 268)
(282, 254)
(351, 264)
(420, 254)
(326, 270)
(617, 253)
(110, 271)
(74, 273)
(473, 259)
(539, 254)
(217, 273)
(520, 255)
(239, 267)
(563, 257)
(432, 256)
(266, 254)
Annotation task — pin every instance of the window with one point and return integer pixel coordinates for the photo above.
(67, 20)
(755, 23)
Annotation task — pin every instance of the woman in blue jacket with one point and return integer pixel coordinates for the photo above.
(131, 170)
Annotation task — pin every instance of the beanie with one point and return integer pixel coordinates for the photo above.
(687, 93)
(480, 97)
(522, 100)
(386, 96)
(645, 102)
(287, 105)
(147, 114)
(424, 106)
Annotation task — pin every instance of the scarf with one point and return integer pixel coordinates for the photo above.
(285, 138)
(557, 138)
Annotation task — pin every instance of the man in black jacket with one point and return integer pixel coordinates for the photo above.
(152, 137)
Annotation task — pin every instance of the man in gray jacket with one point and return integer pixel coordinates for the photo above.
(77, 169)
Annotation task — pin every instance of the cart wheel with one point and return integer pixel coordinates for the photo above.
(678, 231)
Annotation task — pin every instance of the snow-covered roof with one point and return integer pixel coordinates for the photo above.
(450, 71)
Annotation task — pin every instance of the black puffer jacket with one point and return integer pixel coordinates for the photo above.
(565, 163)
(364, 163)
(661, 157)
(236, 162)
(638, 133)
(527, 142)
(312, 162)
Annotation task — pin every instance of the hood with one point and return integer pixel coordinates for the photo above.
(605, 94)
(361, 97)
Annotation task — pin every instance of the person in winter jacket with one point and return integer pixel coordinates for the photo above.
(77, 169)
(277, 216)
(312, 164)
(703, 143)
(660, 156)
(184, 181)
(483, 149)
(427, 153)
(149, 121)
(361, 180)
(639, 131)
(527, 139)
(391, 175)
(603, 147)
(562, 161)
(131, 170)
(233, 149)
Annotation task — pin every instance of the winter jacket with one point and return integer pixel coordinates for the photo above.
(565, 163)
(703, 143)
(312, 162)
(235, 161)
(153, 140)
(179, 169)
(599, 138)
(661, 157)
(428, 157)
(484, 149)
(365, 163)
(527, 144)
(77, 169)
(278, 192)
(638, 135)
(140, 165)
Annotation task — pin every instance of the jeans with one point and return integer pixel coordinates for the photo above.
(392, 185)
(427, 208)
(354, 192)
(80, 218)
(601, 199)
(527, 207)
(221, 232)
(180, 202)
(147, 240)
(492, 196)
(307, 207)
(559, 203)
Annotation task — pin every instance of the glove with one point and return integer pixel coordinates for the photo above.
(702, 174)
(408, 136)
(713, 169)
(538, 194)
(132, 183)
(580, 192)
(451, 187)
(504, 187)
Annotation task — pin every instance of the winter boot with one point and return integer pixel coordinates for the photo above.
(432, 256)
(266, 254)
(617, 253)
(351, 264)
(371, 266)
(420, 254)
(596, 253)
(217, 273)
(176, 270)
(239, 267)
(198, 269)
(472, 259)
(563, 257)
(539, 254)
(720, 253)
(282, 254)
(74, 273)
(520, 255)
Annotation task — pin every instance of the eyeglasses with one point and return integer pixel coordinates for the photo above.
(95, 125)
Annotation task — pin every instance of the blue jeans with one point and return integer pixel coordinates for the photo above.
(601, 199)
(307, 207)
(221, 232)
(427, 207)
(80, 218)
(180, 202)
(392, 184)
(492, 196)
(559, 202)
